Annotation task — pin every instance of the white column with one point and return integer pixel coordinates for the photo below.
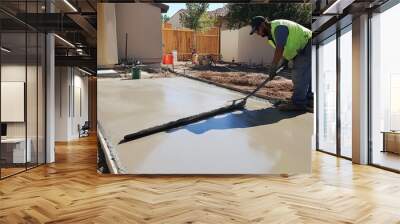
(360, 90)
(63, 103)
(314, 90)
(50, 99)
(50, 92)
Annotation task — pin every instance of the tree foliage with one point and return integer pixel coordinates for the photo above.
(195, 17)
(165, 18)
(239, 15)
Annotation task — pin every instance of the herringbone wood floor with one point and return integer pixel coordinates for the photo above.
(70, 191)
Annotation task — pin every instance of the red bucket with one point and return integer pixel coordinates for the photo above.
(167, 59)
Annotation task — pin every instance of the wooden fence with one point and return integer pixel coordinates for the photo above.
(207, 43)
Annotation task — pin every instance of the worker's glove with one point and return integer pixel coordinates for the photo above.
(272, 71)
(285, 64)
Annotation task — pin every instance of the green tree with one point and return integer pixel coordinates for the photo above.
(195, 17)
(165, 18)
(239, 15)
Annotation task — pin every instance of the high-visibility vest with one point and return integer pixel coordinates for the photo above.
(297, 39)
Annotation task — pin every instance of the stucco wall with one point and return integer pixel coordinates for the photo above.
(142, 22)
(250, 49)
(107, 53)
(229, 45)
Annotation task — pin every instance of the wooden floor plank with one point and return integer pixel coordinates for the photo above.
(71, 191)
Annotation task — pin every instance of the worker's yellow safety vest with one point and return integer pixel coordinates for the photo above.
(297, 39)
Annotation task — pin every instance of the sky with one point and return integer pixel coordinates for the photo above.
(174, 7)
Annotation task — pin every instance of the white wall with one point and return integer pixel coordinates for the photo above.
(229, 45)
(142, 22)
(62, 82)
(12, 73)
(33, 126)
(13, 101)
(253, 48)
(245, 48)
(80, 83)
(67, 116)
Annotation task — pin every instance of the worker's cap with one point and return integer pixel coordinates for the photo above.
(256, 21)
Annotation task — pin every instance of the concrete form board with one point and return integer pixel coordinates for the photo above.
(259, 140)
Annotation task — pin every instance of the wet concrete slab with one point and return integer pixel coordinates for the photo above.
(258, 140)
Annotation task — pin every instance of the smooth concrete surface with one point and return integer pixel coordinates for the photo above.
(259, 140)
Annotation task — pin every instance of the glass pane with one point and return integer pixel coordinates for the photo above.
(31, 99)
(13, 87)
(9, 24)
(385, 84)
(327, 95)
(41, 99)
(346, 92)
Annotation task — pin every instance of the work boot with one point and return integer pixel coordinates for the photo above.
(292, 107)
(310, 109)
(310, 106)
(277, 102)
(310, 103)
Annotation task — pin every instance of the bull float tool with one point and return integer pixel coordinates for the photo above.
(237, 104)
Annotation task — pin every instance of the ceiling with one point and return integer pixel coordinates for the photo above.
(74, 22)
(329, 15)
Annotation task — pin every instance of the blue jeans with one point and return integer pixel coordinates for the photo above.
(302, 93)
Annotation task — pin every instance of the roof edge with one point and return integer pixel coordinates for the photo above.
(164, 7)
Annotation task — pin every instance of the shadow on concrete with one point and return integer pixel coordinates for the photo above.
(239, 119)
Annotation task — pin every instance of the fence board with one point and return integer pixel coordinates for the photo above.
(207, 43)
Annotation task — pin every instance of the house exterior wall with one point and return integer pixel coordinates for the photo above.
(253, 49)
(245, 48)
(107, 53)
(175, 21)
(142, 22)
(229, 43)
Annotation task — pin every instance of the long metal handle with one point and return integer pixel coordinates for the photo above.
(258, 87)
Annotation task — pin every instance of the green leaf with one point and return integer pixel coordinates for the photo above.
(239, 15)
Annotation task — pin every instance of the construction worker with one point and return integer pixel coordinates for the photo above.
(291, 41)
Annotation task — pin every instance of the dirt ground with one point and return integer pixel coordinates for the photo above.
(245, 78)
(280, 88)
(239, 77)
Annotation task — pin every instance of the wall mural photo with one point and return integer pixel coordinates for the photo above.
(204, 88)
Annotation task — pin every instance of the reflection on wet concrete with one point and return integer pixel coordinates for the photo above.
(258, 140)
(239, 119)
